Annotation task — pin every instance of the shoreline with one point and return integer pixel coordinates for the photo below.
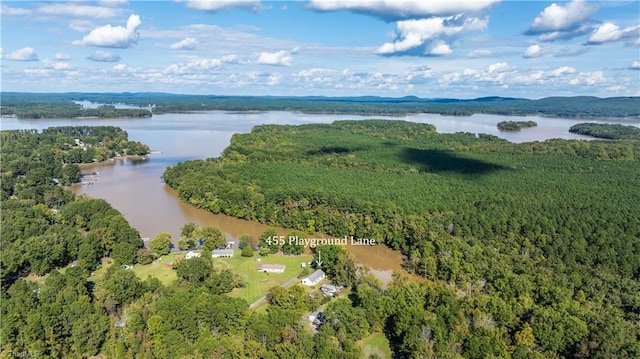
(113, 160)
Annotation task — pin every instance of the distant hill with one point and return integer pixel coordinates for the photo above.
(36, 105)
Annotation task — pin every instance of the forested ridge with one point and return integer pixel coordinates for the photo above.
(55, 105)
(535, 247)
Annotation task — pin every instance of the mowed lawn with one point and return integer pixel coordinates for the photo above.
(160, 268)
(375, 344)
(257, 283)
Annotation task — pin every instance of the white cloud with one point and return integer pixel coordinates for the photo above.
(418, 75)
(563, 71)
(103, 56)
(113, 3)
(189, 43)
(119, 67)
(279, 58)
(533, 51)
(202, 65)
(610, 32)
(81, 25)
(113, 36)
(440, 48)
(57, 65)
(407, 9)
(557, 22)
(498, 67)
(424, 37)
(13, 11)
(635, 65)
(23, 54)
(62, 56)
(78, 10)
(479, 53)
(217, 5)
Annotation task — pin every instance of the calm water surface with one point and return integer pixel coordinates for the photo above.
(134, 187)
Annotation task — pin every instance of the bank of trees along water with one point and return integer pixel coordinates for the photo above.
(57, 105)
(529, 250)
(607, 131)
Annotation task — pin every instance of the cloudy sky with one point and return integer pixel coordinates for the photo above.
(436, 48)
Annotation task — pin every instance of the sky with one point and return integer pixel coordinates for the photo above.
(429, 49)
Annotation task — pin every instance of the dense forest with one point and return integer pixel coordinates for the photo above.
(607, 131)
(529, 250)
(40, 219)
(515, 125)
(33, 105)
(30, 106)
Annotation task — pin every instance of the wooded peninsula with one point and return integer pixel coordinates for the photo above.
(529, 250)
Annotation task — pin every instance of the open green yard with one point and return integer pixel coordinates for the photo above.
(160, 268)
(375, 344)
(257, 283)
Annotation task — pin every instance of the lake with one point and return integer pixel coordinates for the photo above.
(135, 188)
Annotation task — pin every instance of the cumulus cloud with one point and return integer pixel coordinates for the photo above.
(418, 75)
(113, 36)
(427, 37)
(533, 51)
(558, 22)
(62, 56)
(23, 54)
(279, 58)
(610, 32)
(479, 53)
(635, 65)
(505, 76)
(189, 43)
(57, 65)
(217, 5)
(202, 65)
(103, 56)
(391, 10)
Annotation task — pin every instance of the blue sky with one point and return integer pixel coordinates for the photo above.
(435, 48)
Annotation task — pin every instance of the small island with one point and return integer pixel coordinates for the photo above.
(515, 125)
(607, 131)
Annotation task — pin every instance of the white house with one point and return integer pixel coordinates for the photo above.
(314, 277)
(220, 253)
(191, 254)
(271, 268)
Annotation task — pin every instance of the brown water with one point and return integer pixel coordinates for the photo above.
(135, 188)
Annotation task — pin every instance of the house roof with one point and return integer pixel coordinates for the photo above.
(315, 275)
(271, 266)
(223, 251)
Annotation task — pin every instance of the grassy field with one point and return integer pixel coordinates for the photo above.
(160, 268)
(258, 284)
(375, 344)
